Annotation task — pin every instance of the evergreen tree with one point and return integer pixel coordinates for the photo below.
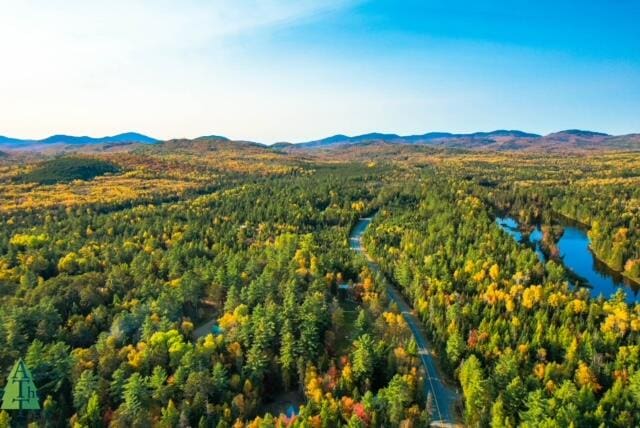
(170, 416)
(363, 357)
(92, 417)
(84, 389)
(135, 395)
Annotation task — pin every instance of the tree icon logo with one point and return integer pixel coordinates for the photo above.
(20, 393)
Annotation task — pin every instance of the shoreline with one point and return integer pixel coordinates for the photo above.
(585, 227)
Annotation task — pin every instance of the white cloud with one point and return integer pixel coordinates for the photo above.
(146, 23)
(64, 61)
(87, 34)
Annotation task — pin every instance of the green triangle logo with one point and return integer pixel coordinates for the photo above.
(20, 393)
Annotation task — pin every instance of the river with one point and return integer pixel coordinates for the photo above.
(577, 257)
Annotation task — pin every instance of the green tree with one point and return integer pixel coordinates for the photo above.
(536, 410)
(157, 383)
(220, 382)
(170, 416)
(287, 355)
(397, 395)
(476, 394)
(84, 389)
(455, 348)
(135, 395)
(363, 357)
(116, 387)
(498, 416)
(92, 417)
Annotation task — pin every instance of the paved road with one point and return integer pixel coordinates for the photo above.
(444, 396)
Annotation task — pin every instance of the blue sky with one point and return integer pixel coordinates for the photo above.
(294, 70)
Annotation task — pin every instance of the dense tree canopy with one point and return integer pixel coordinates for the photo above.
(103, 304)
(198, 285)
(526, 348)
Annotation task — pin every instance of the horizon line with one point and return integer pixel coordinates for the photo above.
(347, 135)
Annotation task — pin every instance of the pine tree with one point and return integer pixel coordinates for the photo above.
(514, 396)
(287, 355)
(135, 395)
(28, 279)
(92, 417)
(233, 299)
(362, 323)
(634, 387)
(116, 387)
(355, 422)
(268, 421)
(498, 417)
(219, 381)
(157, 383)
(84, 389)
(536, 411)
(170, 416)
(397, 395)
(363, 357)
(474, 387)
(455, 348)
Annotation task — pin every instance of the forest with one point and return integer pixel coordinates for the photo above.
(198, 283)
(65, 169)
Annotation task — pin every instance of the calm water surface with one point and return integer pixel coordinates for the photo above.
(577, 257)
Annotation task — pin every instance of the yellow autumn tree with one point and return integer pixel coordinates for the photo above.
(586, 378)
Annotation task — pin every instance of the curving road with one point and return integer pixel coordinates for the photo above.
(445, 397)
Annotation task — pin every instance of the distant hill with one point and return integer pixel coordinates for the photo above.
(570, 140)
(500, 140)
(205, 144)
(213, 137)
(578, 133)
(413, 139)
(61, 140)
(8, 142)
(281, 145)
(66, 169)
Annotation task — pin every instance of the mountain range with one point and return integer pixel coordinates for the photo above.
(412, 139)
(500, 140)
(128, 137)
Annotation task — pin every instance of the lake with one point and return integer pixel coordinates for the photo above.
(577, 257)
